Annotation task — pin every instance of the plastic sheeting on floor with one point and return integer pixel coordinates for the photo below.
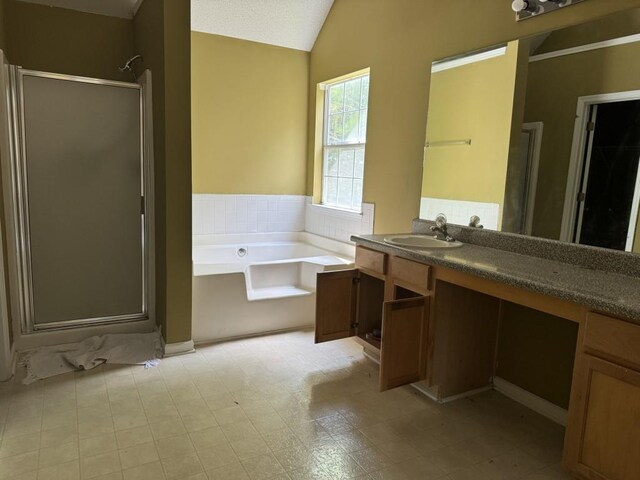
(124, 349)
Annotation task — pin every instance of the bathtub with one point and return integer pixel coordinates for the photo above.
(251, 284)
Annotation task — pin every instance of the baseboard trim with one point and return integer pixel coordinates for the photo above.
(428, 392)
(14, 359)
(370, 356)
(179, 348)
(431, 393)
(530, 400)
(13, 362)
(302, 328)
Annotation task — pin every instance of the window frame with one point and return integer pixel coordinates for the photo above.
(326, 87)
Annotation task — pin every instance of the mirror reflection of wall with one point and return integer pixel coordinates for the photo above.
(541, 136)
(468, 135)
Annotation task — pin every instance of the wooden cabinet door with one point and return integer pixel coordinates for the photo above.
(336, 303)
(403, 354)
(603, 438)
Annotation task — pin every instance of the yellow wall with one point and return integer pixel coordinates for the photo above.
(162, 36)
(514, 203)
(149, 42)
(612, 26)
(536, 352)
(473, 102)
(2, 29)
(398, 40)
(608, 70)
(5, 273)
(177, 47)
(249, 114)
(67, 41)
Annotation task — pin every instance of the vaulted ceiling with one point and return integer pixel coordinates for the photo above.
(112, 8)
(286, 23)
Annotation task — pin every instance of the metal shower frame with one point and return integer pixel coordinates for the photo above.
(18, 230)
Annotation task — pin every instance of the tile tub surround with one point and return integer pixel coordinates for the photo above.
(274, 407)
(459, 212)
(601, 290)
(223, 214)
(338, 224)
(236, 214)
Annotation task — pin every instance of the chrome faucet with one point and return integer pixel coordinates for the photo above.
(474, 222)
(441, 227)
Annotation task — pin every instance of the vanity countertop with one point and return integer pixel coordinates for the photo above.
(611, 293)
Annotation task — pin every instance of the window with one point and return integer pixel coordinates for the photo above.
(345, 132)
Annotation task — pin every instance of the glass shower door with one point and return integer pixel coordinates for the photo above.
(81, 201)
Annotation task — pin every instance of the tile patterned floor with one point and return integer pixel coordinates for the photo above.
(274, 407)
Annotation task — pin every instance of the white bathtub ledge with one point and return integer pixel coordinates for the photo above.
(274, 265)
(344, 249)
(240, 238)
(272, 293)
(288, 278)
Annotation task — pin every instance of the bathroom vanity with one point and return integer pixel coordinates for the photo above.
(438, 312)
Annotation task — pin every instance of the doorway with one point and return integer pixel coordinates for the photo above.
(606, 194)
(527, 181)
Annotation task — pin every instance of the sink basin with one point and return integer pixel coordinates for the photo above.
(420, 241)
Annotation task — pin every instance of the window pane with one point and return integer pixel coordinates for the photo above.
(359, 163)
(364, 98)
(363, 126)
(356, 202)
(336, 99)
(346, 125)
(331, 190)
(346, 163)
(352, 95)
(351, 127)
(331, 163)
(335, 133)
(345, 189)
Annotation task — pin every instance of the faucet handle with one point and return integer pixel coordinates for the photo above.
(441, 220)
(474, 222)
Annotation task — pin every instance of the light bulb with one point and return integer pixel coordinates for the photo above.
(523, 6)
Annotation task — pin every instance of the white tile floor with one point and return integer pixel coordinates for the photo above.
(275, 407)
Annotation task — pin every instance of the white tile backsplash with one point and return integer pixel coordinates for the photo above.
(214, 214)
(459, 212)
(221, 214)
(338, 224)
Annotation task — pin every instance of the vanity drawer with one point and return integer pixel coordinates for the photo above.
(371, 260)
(411, 273)
(613, 337)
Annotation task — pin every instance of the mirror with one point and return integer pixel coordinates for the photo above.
(541, 136)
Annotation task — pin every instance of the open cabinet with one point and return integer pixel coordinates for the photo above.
(352, 303)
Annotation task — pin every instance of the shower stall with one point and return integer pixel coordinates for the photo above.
(78, 200)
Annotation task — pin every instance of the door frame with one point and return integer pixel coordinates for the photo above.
(7, 347)
(533, 168)
(577, 160)
(585, 170)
